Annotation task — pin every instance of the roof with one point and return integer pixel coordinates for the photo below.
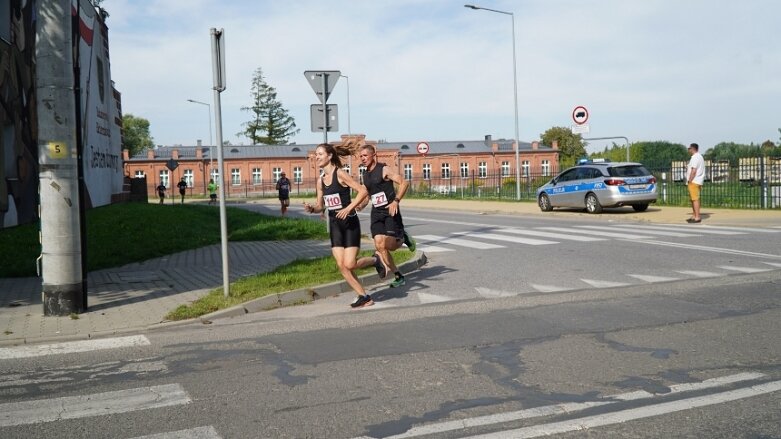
(294, 150)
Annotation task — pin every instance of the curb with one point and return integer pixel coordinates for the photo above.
(303, 295)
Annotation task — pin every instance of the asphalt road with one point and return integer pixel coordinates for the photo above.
(688, 349)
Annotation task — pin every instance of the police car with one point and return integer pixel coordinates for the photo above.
(599, 183)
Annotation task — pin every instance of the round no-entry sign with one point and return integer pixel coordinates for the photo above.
(423, 148)
(580, 115)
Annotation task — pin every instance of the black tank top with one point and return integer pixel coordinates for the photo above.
(376, 186)
(335, 196)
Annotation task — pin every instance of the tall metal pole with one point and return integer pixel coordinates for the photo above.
(349, 130)
(211, 142)
(325, 108)
(218, 70)
(515, 101)
(61, 270)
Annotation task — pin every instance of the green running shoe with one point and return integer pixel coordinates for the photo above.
(410, 242)
(398, 282)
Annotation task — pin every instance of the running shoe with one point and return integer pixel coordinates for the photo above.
(379, 266)
(409, 241)
(398, 282)
(365, 300)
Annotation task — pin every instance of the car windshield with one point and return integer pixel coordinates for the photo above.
(628, 171)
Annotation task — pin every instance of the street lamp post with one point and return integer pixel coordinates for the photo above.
(515, 97)
(211, 142)
(349, 130)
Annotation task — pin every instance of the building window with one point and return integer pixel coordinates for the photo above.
(464, 170)
(257, 176)
(525, 168)
(236, 176)
(408, 171)
(140, 174)
(505, 168)
(188, 177)
(277, 173)
(445, 170)
(346, 168)
(427, 171)
(298, 174)
(545, 168)
(164, 177)
(482, 169)
(215, 175)
(361, 171)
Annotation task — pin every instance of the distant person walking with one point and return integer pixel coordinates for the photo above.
(212, 188)
(387, 227)
(333, 195)
(283, 186)
(182, 185)
(695, 177)
(161, 192)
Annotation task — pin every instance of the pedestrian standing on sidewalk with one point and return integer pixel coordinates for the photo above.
(387, 226)
(283, 186)
(161, 192)
(182, 185)
(212, 187)
(333, 195)
(695, 177)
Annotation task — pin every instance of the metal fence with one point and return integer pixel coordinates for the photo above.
(751, 185)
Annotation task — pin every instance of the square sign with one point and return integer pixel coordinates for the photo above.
(317, 119)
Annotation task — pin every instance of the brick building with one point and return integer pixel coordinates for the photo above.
(253, 170)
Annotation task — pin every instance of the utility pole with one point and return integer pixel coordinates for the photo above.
(61, 269)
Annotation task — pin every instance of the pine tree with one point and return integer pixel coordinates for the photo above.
(271, 123)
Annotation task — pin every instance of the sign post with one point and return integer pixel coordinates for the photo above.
(218, 86)
(323, 82)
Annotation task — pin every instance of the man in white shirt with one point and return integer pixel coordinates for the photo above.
(695, 173)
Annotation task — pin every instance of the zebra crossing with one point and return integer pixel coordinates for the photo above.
(501, 237)
(32, 411)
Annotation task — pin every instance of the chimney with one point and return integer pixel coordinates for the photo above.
(535, 145)
(487, 137)
(555, 144)
(494, 146)
(199, 152)
(150, 153)
(199, 143)
(175, 154)
(125, 154)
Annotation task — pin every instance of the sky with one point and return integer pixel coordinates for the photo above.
(705, 71)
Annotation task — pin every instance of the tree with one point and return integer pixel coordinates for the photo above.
(271, 123)
(659, 154)
(732, 152)
(135, 134)
(571, 146)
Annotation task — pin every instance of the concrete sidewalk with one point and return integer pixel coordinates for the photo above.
(137, 296)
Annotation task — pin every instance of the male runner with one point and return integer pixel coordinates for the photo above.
(386, 224)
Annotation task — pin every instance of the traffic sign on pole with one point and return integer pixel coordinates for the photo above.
(322, 82)
(423, 148)
(580, 115)
(318, 119)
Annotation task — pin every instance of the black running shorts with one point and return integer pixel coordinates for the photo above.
(382, 223)
(345, 233)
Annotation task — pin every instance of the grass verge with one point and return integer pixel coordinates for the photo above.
(297, 274)
(119, 234)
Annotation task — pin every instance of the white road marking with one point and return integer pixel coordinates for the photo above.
(740, 229)
(563, 408)
(434, 249)
(700, 273)
(646, 231)
(505, 238)
(82, 406)
(433, 298)
(92, 372)
(744, 269)
(459, 242)
(487, 292)
(604, 283)
(193, 433)
(652, 279)
(72, 347)
(542, 234)
(548, 288)
(598, 233)
(774, 264)
(712, 249)
(699, 230)
(633, 414)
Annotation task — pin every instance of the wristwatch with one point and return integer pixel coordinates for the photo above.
(397, 200)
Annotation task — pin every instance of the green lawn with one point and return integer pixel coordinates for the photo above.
(131, 232)
(297, 274)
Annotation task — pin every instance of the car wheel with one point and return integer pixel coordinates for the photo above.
(592, 204)
(640, 207)
(544, 203)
